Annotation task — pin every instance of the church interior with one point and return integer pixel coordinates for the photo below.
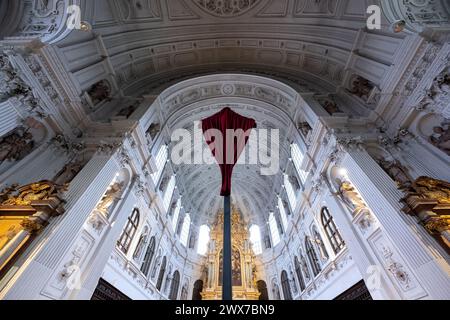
(351, 202)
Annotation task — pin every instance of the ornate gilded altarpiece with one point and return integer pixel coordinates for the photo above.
(243, 261)
(24, 212)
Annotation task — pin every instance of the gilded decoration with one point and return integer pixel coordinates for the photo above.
(243, 261)
(429, 200)
(26, 195)
(24, 212)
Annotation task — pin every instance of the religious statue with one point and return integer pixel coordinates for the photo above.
(153, 130)
(292, 281)
(44, 190)
(42, 5)
(167, 282)
(7, 193)
(99, 92)
(294, 181)
(443, 83)
(361, 87)
(16, 145)
(111, 196)
(441, 138)
(127, 112)
(305, 269)
(323, 251)
(141, 245)
(330, 106)
(397, 172)
(304, 128)
(68, 173)
(351, 197)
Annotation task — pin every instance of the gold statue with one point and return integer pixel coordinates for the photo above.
(351, 197)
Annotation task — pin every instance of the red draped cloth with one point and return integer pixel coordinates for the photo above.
(219, 138)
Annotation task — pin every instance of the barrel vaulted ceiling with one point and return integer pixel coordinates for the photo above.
(146, 46)
(151, 40)
(153, 44)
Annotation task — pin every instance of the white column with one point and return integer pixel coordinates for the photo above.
(43, 163)
(417, 270)
(359, 250)
(95, 267)
(40, 276)
(424, 158)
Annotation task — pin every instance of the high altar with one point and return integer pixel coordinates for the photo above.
(243, 262)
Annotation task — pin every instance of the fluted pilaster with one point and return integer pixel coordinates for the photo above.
(397, 242)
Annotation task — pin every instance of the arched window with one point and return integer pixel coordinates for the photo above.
(176, 215)
(332, 232)
(149, 254)
(286, 286)
(167, 199)
(298, 157)
(203, 240)
(162, 271)
(312, 256)
(274, 229)
(255, 238)
(198, 289)
(298, 271)
(184, 236)
(129, 232)
(283, 214)
(174, 286)
(160, 160)
(262, 289)
(292, 195)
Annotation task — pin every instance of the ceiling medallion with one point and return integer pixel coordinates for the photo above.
(226, 8)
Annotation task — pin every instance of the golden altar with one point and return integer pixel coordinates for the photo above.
(243, 262)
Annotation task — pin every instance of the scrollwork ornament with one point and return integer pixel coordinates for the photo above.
(108, 148)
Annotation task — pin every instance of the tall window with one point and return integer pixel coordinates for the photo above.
(283, 214)
(174, 286)
(169, 192)
(149, 254)
(292, 196)
(333, 235)
(176, 215)
(160, 160)
(312, 256)
(162, 271)
(274, 229)
(255, 238)
(298, 157)
(286, 286)
(129, 232)
(203, 240)
(184, 236)
(298, 271)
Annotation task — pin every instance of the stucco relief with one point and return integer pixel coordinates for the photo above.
(226, 8)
